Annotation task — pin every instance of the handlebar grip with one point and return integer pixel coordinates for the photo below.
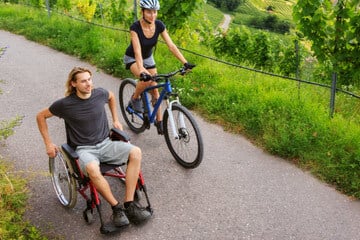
(145, 77)
(188, 66)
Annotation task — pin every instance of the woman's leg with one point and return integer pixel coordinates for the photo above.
(141, 85)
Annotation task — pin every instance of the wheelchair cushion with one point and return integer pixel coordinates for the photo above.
(107, 167)
(69, 151)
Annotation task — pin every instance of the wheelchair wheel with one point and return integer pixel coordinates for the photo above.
(133, 119)
(63, 182)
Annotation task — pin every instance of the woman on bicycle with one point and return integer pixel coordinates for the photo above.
(139, 57)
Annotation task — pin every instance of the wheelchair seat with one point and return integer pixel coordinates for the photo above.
(115, 135)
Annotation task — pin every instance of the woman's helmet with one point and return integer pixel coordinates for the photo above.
(150, 4)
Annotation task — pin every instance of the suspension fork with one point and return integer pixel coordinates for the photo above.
(171, 117)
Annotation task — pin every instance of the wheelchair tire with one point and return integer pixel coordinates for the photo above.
(62, 179)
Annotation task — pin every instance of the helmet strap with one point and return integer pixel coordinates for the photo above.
(148, 22)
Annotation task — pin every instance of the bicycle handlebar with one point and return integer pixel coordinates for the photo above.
(182, 71)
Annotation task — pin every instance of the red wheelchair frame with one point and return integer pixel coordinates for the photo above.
(68, 180)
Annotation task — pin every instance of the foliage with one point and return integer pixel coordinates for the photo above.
(7, 127)
(230, 5)
(64, 4)
(118, 11)
(12, 206)
(86, 8)
(175, 13)
(333, 29)
(259, 49)
(272, 23)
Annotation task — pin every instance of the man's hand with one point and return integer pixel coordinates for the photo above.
(118, 125)
(51, 150)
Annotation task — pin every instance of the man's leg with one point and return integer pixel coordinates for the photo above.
(135, 213)
(132, 173)
(103, 187)
(101, 184)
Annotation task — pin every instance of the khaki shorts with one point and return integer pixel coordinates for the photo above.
(110, 152)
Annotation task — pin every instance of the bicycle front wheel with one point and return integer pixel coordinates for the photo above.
(132, 118)
(63, 182)
(183, 137)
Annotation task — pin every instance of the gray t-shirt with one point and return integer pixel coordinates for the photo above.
(85, 119)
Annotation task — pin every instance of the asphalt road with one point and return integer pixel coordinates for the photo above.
(238, 192)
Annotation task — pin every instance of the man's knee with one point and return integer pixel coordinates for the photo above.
(93, 170)
(135, 154)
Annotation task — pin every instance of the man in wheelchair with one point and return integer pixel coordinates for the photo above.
(87, 131)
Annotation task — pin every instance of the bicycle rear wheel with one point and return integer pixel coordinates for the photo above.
(187, 147)
(63, 182)
(133, 119)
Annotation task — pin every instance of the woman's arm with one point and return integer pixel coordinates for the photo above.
(172, 47)
(137, 51)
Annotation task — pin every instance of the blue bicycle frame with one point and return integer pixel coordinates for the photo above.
(165, 92)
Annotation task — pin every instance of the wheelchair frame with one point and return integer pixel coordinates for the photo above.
(68, 180)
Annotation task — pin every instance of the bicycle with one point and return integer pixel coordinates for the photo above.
(181, 132)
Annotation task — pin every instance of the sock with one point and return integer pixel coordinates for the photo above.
(127, 204)
(112, 207)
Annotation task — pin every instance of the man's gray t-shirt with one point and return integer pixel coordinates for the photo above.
(85, 119)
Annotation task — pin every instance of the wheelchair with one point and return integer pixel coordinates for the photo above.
(68, 180)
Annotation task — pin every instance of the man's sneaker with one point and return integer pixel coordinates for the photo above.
(136, 104)
(119, 217)
(137, 214)
(159, 127)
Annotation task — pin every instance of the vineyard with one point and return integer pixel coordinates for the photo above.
(261, 8)
(279, 7)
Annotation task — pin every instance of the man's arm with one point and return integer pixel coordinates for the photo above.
(112, 106)
(41, 117)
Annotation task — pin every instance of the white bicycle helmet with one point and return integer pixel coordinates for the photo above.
(150, 4)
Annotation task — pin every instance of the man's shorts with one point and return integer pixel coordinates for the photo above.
(110, 152)
(149, 63)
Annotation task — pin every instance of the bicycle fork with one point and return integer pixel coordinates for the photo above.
(172, 120)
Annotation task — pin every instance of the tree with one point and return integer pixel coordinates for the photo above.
(176, 12)
(333, 29)
(230, 5)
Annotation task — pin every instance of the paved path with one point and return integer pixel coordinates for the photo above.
(238, 192)
(225, 24)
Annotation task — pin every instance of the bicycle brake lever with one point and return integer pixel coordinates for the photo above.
(182, 71)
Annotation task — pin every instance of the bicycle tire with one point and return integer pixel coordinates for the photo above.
(126, 90)
(63, 182)
(188, 149)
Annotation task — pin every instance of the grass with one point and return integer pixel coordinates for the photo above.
(13, 196)
(281, 116)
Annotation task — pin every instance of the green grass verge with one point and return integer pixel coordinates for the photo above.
(13, 197)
